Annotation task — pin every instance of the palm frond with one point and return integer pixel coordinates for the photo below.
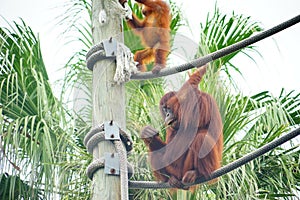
(220, 31)
(33, 126)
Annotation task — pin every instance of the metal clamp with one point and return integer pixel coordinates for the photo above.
(106, 49)
(112, 131)
(110, 47)
(112, 163)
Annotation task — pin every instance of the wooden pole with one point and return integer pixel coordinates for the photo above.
(108, 97)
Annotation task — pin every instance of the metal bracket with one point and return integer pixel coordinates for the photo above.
(110, 47)
(112, 163)
(112, 131)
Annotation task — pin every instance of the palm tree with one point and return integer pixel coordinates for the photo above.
(41, 146)
(33, 121)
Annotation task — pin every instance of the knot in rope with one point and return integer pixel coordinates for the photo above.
(111, 49)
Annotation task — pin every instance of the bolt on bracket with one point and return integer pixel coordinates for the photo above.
(110, 47)
(112, 163)
(112, 131)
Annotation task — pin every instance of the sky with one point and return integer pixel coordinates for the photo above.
(277, 68)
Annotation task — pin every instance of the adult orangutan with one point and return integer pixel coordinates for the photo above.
(194, 136)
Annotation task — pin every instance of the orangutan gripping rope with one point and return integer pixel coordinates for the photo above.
(194, 138)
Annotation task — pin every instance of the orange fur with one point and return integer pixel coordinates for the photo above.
(194, 137)
(154, 31)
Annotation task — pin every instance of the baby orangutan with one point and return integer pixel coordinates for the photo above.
(154, 31)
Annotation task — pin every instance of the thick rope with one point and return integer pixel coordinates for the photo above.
(223, 170)
(97, 52)
(94, 166)
(87, 139)
(123, 169)
(126, 66)
(92, 132)
(94, 49)
(95, 57)
(97, 135)
(220, 53)
(94, 140)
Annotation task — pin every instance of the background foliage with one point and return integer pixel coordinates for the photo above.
(42, 155)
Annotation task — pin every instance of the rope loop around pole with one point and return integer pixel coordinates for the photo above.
(122, 145)
(93, 136)
(96, 135)
(94, 166)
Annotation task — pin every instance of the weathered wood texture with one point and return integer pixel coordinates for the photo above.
(108, 98)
